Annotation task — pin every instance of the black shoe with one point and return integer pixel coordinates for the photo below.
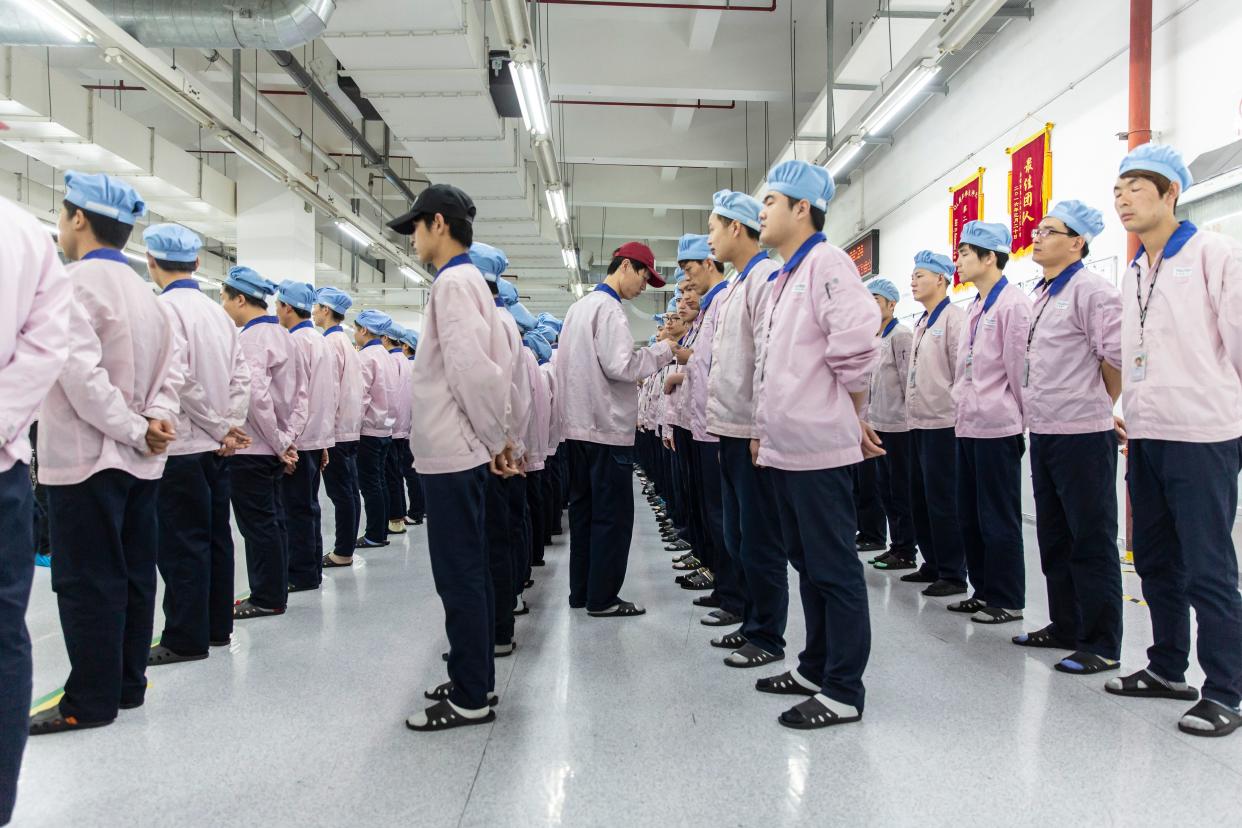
(297, 588)
(699, 581)
(677, 546)
(162, 655)
(920, 576)
(943, 589)
(707, 601)
(222, 642)
(366, 543)
(53, 721)
(538, 563)
(870, 546)
(893, 562)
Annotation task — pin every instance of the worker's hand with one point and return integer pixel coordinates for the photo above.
(1119, 426)
(683, 354)
(228, 447)
(240, 438)
(290, 460)
(160, 433)
(323, 461)
(754, 453)
(871, 444)
(503, 465)
(672, 381)
(669, 442)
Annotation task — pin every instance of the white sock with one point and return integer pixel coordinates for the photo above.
(467, 713)
(844, 711)
(804, 682)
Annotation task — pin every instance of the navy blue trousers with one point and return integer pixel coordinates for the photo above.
(196, 552)
(256, 494)
(340, 483)
(729, 577)
(819, 526)
(457, 541)
(519, 533)
(933, 502)
(414, 489)
(105, 533)
(601, 522)
(394, 478)
(1075, 482)
(752, 539)
(536, 482)
(500, 555)
(1184, 499)
(690, 494)
(16, 574)
(372, 460)
(867, 503)
(989, 504)
(300, 495)
(893, 482)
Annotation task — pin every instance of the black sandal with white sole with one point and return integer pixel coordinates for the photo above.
(970, 605)
(732, 641)
(1082, 663)
(441, 693)
(1212, 719)
(995, 615)
(244, 609)
(622, 610)
(783, 685)
(1143, 685)
(812, 714)
(442, 716)
(750, 655)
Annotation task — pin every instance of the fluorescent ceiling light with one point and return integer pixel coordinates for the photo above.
(967, 23)
(57, 20)
(412, 274)
(556, 205)
(140, 258)
(528, 83)
(243, 151)
(570, 257)
(209, 282)
(843, 156)
(1212, 186)
(354, 233)
(899, 98)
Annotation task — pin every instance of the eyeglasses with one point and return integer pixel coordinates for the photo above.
(1045, 232)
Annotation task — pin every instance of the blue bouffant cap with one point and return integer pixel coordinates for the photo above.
(526, 321)
(885, 288)
(172, 243)
(1086, 221)
(410, 337)
(334, 298)
(737, 206)
(1160, 159)
(374, 321)
(540, 346)
(298, 295)
(693, 248)
(547, 320)
(935, 262)
(508, 293)
(104, 195)
(246, 280)
(994, 237)
(800, 180)
(490, 260)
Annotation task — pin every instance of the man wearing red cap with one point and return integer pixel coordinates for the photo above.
(597, 374)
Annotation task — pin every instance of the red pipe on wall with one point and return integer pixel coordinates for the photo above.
(123, 87)
(698, 105)
(644, 5)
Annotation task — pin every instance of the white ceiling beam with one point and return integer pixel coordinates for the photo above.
(642, 188)
(638, 136)
(703, 28)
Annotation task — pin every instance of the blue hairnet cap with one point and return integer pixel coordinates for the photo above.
(679, 276)
(935, 262)
(246, 280)
(1084, 220)
(507, 291)
(737, 206)
(172, 243)
(105, 195)
(548, 332)
(547, 320)
(298, 295)
(490, 260)
(334, 298)
(540, 346)
(693, 248)
(410, 337)
(995, 237)
(374, 321)
(672, 306)
(395, 332)
(800, 180)
(883, 287)
(651, 340)
(526, 321)
(1160, 159)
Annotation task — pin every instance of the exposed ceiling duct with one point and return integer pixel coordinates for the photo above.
(213, 24)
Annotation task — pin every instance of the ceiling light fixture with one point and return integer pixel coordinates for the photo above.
(898, 98)
(354, 233)
(840, 159)
(412, 274)
(570, 258)
(57, 20)
(556, 205)
(967, 23)
(528, 82)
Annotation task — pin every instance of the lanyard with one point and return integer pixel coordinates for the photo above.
(1171, 248)
(303, 324)
(931, 322)
(181, 283)
(1050, 289)
(603, 288)
(788, 268)
(260, 319)
(987, 306)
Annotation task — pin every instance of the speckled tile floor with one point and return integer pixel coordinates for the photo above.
(616, 722)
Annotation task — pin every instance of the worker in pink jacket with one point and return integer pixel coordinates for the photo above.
(987, 396)
(1071, 380)
(275, 421)
(300, 490)
(460, 437)
(104, 432)
(752, 530)
(381, 389)
(399, 452)
(340, 476)
(34, 343)
(810, 388)
(597, 374)
(196, 530)
(1181, 344)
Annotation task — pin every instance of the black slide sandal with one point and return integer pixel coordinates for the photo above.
(750, 655)
(1082, 663)
(783, 685)
(1143, 685)
(1043, 639)
(441, 693)
(812, 714)
(622, 610)
(442, 716)
(732, 641)
(1222, 719)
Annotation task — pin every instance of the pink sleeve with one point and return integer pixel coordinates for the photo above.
(1224, 284)
(615, 346)
(300, 414)
(262, 410)
(1104, 325)
(1017, 321)
(239, 387)
(476, 381)
(849, 318)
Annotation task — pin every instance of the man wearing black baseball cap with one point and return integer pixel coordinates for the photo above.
(597, 374)
(460, 430)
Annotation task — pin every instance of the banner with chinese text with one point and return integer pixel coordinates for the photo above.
(966, 205)
(1030, 187)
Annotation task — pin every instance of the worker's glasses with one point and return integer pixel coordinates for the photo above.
(1045, 232)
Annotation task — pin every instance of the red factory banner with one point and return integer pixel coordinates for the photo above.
(967, 205)
(1030, 187)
